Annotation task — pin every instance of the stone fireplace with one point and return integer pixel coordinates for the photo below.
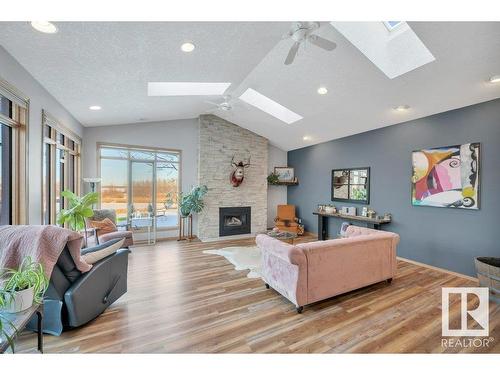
(234, 220)
(219, 142)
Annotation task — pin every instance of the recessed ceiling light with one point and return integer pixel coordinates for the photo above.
(322, 90)
(95, 108)
(269, 106)
(495, 79)
(187, 47)
(186, 88)
(306, 138)
(44, 27)
(402, 108)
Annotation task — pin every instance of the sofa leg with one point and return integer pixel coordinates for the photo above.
(389, 280)
(299, 309)
(267, 286)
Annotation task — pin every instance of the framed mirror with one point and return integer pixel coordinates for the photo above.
(351, 185)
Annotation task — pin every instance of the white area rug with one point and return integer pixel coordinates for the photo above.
(243, 258)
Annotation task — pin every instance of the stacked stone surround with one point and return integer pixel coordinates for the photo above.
(219, 141)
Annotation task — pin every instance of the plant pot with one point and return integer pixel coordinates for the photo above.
(488, 273)
(21, 300)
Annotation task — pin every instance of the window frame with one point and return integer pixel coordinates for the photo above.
(53, 141)
(127, 147)
(18, 121)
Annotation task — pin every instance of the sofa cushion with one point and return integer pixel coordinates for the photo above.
(118, 234)
(94, 254)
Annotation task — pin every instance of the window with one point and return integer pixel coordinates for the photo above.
(5, 175)
(60, 165)
(351, 185)
(13, 166)
(141, 185)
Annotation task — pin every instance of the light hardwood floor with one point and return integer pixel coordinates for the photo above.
(181, 300)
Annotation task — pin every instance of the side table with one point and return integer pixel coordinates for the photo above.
(18, 322)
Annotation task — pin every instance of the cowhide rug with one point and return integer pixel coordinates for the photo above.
(243, 258)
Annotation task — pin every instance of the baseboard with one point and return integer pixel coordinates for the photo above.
(471, 278)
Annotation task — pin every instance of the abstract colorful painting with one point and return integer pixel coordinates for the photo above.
(446, 176)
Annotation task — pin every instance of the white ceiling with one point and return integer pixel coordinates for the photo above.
(109, 64)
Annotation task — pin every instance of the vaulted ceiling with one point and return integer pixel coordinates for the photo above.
(109, 64)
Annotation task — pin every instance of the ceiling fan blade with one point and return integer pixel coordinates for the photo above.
(322, 42)
(292, 53)
(208, 102)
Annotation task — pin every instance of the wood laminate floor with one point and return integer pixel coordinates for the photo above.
(180, 300)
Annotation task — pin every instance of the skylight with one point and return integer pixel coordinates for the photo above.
(269, 106)
(395, 53)
(391, 25)
(186, 88)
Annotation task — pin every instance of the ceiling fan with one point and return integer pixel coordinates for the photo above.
(227, 103)
(302, 32)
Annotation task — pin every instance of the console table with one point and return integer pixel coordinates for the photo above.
(323, 222)
(15, 323)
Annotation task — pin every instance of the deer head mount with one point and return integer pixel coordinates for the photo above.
(238, 173)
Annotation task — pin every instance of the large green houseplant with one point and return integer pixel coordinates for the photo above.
(192, 202)
(79, 209)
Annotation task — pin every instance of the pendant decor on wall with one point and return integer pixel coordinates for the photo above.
(446, 176)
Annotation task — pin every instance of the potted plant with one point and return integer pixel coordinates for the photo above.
(79, 209)
(23, 286)
(193, 201)
(273, 179)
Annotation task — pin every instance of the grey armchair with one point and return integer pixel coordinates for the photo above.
(123, 232)
(74, 298)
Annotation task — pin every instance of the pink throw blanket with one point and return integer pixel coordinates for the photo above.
(43, 243)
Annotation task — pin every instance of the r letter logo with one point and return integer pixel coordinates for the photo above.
(479, 314)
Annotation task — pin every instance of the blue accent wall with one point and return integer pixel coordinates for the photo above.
(443, 237)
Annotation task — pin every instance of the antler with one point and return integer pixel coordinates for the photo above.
(247, 164)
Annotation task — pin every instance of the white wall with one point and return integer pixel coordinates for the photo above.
(275, 194)
(12, 72)
(177, 134)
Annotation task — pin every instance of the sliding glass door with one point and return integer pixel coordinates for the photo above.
(142, 198)
(141, 185)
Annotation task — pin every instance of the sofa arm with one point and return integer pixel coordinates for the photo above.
(280, 249)
(95, 290)
(284, 268)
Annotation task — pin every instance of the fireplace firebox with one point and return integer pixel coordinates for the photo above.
(234, 220)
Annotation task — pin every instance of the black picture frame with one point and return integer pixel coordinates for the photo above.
(348, 184)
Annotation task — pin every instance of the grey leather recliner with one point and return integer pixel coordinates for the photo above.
(74, 298)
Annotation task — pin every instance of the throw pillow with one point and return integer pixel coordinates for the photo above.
(103, 226)
(94, 254)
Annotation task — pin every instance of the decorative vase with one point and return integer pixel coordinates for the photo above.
(21, 300)
(330, 209)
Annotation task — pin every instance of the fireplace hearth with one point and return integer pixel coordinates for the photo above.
(234, 220)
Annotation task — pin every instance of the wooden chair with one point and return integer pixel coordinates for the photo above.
(286, 219)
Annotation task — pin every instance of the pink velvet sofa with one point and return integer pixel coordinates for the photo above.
(313, 271)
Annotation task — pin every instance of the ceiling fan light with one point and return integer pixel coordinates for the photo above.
(495, 79)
